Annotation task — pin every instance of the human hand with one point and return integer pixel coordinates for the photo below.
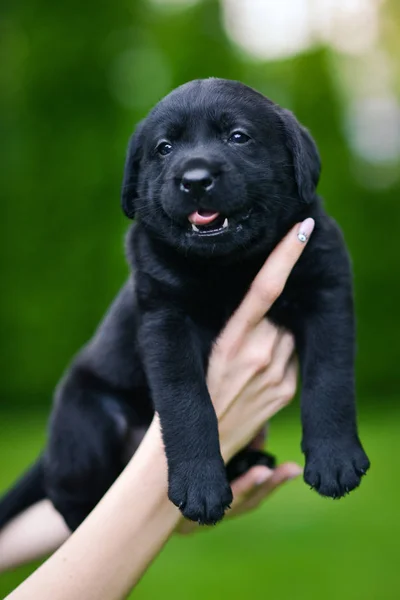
(252, 372)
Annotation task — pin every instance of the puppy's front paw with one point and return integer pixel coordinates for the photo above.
(200, 489)
(335, 468)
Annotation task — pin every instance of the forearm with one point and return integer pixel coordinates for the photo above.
(111, 550)
(33, 534)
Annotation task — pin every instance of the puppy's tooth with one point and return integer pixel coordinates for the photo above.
(225, 224)
(195, 228)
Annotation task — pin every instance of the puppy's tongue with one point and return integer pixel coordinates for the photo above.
(203, 218)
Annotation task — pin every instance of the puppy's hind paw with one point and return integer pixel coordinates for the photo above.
(242, 462)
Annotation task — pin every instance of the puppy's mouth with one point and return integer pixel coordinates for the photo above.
(208, 223)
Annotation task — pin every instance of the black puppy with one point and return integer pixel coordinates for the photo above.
(215, 176)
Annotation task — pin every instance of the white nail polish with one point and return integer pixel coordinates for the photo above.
(305, 230)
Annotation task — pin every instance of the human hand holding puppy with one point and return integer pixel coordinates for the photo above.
(247, 388)
(253, 359)
(252, 374)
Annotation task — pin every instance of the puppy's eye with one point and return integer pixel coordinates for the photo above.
(238, 137)
(164, 148)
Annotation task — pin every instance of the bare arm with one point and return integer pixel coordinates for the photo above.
(34, 534)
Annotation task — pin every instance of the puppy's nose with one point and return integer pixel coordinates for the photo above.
(197, 181)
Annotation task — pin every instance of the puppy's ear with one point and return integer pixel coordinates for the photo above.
(306, 159)
(129, 190)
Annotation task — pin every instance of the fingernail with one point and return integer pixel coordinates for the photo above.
(305, 230)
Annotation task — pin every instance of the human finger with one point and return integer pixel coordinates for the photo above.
(270, 281)
(273, 480)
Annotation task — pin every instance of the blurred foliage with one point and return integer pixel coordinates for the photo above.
(75, 79)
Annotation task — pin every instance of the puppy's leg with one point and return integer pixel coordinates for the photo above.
(85, 449)
(198, 483)
(335, 459)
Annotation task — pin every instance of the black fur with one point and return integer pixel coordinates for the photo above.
(154, 343)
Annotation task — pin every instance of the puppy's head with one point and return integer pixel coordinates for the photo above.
(216, 166)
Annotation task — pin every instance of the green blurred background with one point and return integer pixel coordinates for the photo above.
(75, 79)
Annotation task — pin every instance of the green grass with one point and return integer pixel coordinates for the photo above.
(296, 546)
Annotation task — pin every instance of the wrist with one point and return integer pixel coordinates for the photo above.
(227, 449)
(148, 468)
(233, 440)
